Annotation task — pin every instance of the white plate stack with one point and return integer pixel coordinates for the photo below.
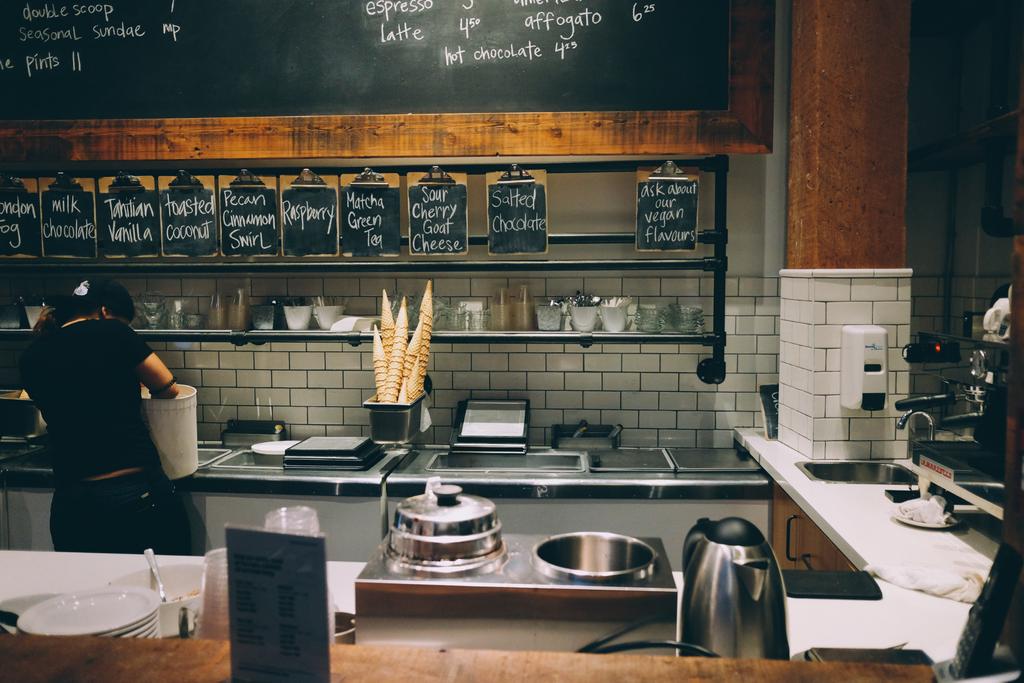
(113, 612)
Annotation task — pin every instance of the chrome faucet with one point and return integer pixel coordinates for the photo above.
(909, 415)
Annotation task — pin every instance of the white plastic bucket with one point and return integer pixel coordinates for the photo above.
(172, 426)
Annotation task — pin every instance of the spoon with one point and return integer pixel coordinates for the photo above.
(151, 559)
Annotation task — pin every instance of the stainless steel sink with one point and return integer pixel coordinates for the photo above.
(209, 455)
(249, 460)
(531, 462)
(858, 472)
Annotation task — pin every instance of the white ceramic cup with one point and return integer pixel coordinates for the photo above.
(584, 318)
(298, 317)
(613, 318)
(327, 315)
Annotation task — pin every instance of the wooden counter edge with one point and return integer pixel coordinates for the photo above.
(28, 659)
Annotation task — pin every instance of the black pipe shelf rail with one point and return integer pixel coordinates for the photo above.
(710, 370)
(242, 338)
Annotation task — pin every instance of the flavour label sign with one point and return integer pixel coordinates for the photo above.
(69, 218)
(371, 217)
(19, 221)
(309, 219)
(248, 218)
(129, 221)
(666, 214)
(517, 215)
(437, 217)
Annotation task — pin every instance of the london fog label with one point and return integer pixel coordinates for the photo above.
(370, 223)
(437, 219)
(129, 223)
(69, 223)
(19, 224)
(517, 219)
(666, 215)
(189, 222)
(248, 221)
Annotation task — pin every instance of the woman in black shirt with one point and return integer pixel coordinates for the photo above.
(83, 371)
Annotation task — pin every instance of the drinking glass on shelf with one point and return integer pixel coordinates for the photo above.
(218, 317)
(176, 314)
(152, 311)
(648, 318)
(238, 310)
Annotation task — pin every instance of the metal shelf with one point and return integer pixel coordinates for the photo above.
(339, 265)
(240, 338)
(711, 370)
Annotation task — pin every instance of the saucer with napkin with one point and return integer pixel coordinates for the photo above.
(928, 513)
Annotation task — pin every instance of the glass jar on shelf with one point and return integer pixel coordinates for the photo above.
(648, 318)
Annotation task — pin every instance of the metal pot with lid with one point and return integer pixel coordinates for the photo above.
(445, 528)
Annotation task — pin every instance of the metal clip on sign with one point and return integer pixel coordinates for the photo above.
(515, 176)
(247, 178)
(185, 181)
(669, 171)
(436, 176)
(10, 183)
(126, 182)
(308, 180)
(65, 182)
(369, 178)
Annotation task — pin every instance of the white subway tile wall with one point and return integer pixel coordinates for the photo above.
(318, 388)
(814, 306)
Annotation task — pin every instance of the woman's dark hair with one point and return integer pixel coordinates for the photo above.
(88, 298)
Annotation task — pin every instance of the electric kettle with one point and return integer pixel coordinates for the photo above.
(734, 602)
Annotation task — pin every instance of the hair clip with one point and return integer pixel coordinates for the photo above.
(82, 289)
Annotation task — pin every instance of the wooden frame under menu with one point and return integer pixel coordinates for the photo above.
(744, 128)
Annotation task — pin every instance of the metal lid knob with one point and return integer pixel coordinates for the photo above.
(447, 495)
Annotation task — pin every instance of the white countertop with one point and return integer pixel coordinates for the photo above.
(857, 518)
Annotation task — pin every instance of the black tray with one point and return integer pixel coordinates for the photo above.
(824, 585)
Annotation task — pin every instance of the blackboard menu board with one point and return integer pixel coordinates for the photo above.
(182, 58)
(309, 216)
(437, 215)
(188, 215)
(69, 217)
(517, 215)
(128, 215)
(666, 214)
(19, 217)
(371, 217)
(248, 216)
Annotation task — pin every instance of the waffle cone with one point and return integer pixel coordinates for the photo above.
(415, 390)
(403, 393)
(427, 323)
(396, 361)
(380, 363)
(412, 353)
(387, 323)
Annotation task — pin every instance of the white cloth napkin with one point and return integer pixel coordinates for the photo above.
(926, 510)
(962, 585)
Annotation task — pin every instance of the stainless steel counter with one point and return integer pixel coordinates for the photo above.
(410, 478)
(36, 471)
(403, 473)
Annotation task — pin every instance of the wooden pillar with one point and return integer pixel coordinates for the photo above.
(1013, 510)
(849, 70)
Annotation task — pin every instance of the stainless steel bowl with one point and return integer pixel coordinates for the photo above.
(594, 557)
